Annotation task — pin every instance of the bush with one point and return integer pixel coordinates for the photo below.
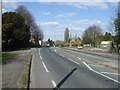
(66, 44)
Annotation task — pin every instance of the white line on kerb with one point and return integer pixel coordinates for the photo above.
(88, 66)
(45, 66)
(100, 73)
(53, 82)
(40, 57)
(73, 61)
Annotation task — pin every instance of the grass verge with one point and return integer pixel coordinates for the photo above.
(24, 76)
(7, 56)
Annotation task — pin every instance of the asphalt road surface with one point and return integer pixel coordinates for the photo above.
(50, 65)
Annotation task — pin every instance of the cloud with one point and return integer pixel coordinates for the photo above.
(49, 24)
(87, 5)
(76, 29)
(88, 22)
(9, 4)
(4, 10)
(49, 1)
(70, 14)
(46, 13)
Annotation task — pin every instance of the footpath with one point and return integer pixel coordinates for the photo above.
(12, 71)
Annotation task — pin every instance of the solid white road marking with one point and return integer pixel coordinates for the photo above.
(45, 66)
(100, 73)
(106, 76)
(40, 57)
(53, 82)
(88, 66)
(110, 73)
(73, 61)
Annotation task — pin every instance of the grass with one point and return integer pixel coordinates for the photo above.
(24, 76)
(6, 57)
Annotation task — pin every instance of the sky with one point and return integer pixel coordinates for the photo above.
(55, 17)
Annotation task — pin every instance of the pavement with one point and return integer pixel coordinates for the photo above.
(12, 71)
(51, 65)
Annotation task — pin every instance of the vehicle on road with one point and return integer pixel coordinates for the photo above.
(80, 47)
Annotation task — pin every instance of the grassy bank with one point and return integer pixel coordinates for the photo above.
(6, 57)
(24, 76)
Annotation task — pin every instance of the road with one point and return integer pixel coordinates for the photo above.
(51, 65)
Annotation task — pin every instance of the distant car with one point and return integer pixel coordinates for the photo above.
(80, 47)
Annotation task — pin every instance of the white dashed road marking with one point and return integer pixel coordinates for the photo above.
(40, 57)
(73, 61)
(53, 82)
(45, 66)
(61, 55)
(79, 58)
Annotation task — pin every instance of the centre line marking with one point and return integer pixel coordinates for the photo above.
(45, 66)
(53, 82)
(73, 61)
(61, 55)
(39, 50)
(40, 57)
(79, 58)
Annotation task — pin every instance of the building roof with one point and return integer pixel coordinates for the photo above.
(106, 42)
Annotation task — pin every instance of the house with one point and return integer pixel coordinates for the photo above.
(106, 44)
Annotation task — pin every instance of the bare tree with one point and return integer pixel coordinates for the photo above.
(92, 35)
(35, 31)
(29, 19)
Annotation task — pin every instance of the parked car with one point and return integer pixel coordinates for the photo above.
(80, 47)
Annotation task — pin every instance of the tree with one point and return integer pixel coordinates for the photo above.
(29, 19)
(59, 43)
(14, 29)
(92, 35)
(66, 35)
(35, 31)
(50, 42)
(108, 37)
(117, 30)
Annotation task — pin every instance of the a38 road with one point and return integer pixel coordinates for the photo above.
(51, 65)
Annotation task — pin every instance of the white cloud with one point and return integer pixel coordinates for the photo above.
(49, 1)
(88, 22)
(49, 24)
(77, 29)
(46, 13)
(4, 10)
(86, 5)
(10, 5)
(70, 14)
